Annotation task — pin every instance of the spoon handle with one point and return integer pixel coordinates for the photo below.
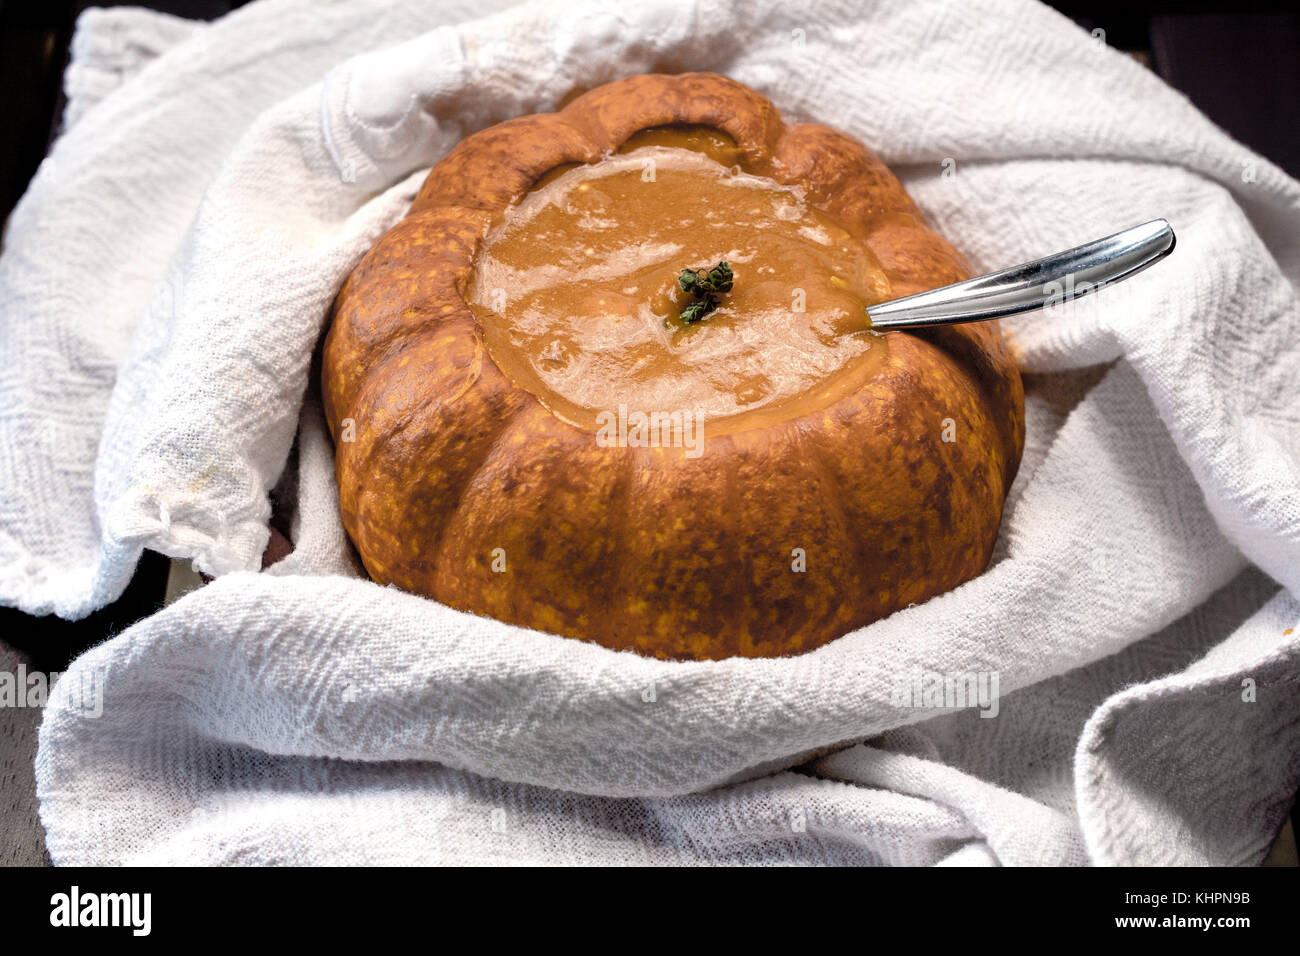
(1023, 288)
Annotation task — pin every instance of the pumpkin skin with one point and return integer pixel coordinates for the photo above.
(647, 549)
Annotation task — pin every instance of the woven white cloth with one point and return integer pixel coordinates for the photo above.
(166, 279)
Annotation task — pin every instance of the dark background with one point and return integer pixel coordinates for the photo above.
(1238, 62)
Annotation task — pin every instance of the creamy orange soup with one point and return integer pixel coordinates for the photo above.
(576, 289)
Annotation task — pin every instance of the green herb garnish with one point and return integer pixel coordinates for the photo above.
(706, 287)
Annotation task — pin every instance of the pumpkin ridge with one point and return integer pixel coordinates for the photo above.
(832, 495)
(471, 475)
(618, 508)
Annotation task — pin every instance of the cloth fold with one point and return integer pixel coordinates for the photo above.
(1139, 614)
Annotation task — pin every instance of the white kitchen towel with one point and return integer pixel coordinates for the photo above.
(167, 278)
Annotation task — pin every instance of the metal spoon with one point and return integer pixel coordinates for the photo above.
(1023, 288)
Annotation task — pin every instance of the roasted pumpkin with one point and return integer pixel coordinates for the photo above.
(535, 421)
